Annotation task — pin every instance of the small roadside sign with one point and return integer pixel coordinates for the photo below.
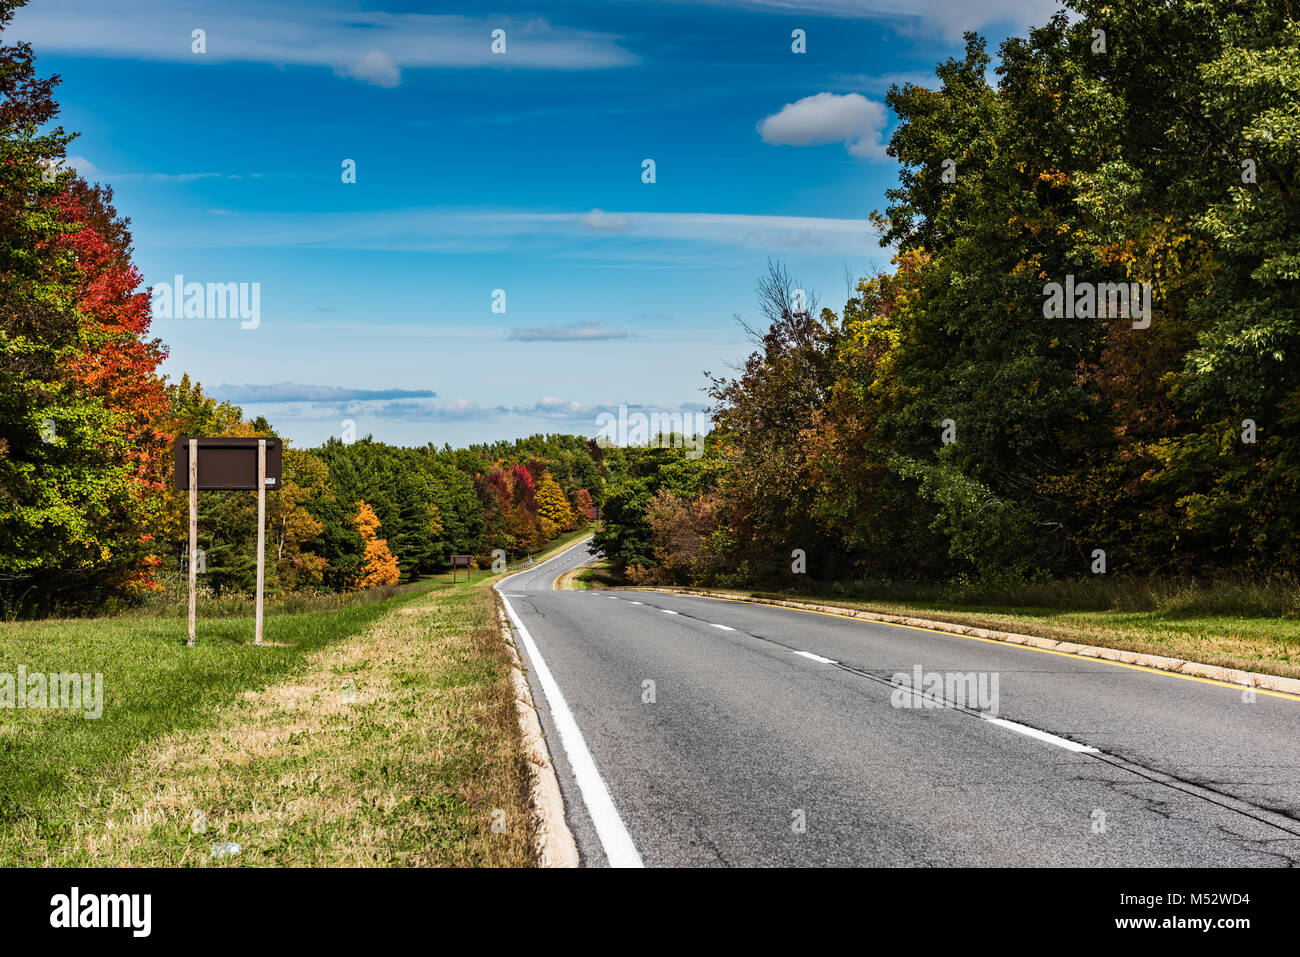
(227, 462)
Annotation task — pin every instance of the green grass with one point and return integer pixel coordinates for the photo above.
(599, 574)
(381, 732)
(153, 685)
(172, 601)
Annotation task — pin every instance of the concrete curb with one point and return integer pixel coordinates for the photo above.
(555, 844)
(1247, 679)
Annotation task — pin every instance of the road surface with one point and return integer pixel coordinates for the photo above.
(700, 732)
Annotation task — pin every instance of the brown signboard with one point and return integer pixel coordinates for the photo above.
(461, 561)
(227, 463)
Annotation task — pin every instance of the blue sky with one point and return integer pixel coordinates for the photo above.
(479, 171)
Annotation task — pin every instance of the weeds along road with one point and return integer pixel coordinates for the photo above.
(694, 731)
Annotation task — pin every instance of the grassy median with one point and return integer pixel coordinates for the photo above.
(382, 733)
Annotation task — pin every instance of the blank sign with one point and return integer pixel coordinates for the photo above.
(227, 463)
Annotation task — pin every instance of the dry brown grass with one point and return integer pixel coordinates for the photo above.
(393, 748)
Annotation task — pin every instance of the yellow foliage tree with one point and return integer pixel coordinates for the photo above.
(552, 506)
(379, 566)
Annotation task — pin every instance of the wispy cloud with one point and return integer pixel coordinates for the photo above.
(396, 410)
(581, 416)
(587, 330)
(578, 414)
(598, 219)
(952, 17)
(879, 83)
(83, 166)
(437, 230)
(371, 46)
(293, 392)
(90, 171)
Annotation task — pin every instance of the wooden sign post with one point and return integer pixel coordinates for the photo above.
(194, 530)
(261, 536)
(228, 463)
(460, 561)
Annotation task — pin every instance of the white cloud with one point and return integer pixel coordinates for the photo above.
(83, 166)
(582, 416)
(851, 119)
(368, 45)
(585, 331)
(719, 229)
(951, 17)
(173, 177)
(437, 230)
(552, 407)
(90, 170)
(458, 410)
(601, 220)
(375, 67)
(581, 413)
(293, 392)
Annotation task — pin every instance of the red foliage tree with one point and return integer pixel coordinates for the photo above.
(583, 507)
(116, 361)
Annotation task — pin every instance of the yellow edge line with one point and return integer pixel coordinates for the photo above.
(1006, 644)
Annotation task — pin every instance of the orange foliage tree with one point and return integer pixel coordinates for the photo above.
(379, 566)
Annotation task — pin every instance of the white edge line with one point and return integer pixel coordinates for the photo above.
(611, 830)
(1024, 729)
(825, 661)
(613, 833)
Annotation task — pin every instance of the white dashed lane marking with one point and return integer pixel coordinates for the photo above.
(1042, 735)
(825, 661)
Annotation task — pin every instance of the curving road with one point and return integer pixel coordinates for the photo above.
(698, 732)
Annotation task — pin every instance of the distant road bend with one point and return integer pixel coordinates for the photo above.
(701, 732)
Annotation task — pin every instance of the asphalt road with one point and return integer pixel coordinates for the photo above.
(699, 732)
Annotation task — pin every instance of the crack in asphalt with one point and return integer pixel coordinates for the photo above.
(1203, 792)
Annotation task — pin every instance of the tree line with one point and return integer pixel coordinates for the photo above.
(952, 422)
(88, 514)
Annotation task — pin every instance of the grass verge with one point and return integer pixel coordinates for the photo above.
(1243, 625)
(382, 733)
(1262, 643)
(598, 574)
